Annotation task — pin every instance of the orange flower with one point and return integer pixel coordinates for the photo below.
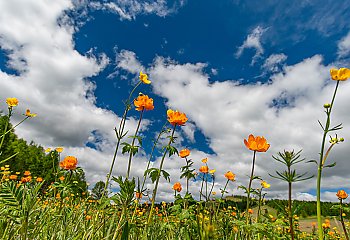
(62, 178)
(29, 114)
(341, 194)
(69, 163)
(138, 195)
(88, 217)
(204, 160)
(12, 102)
(258, 143)
(177, 187)
(326, 224)
(184, 153)
(340, 75)
(143, 102)
(144, 78)
(250, 211)
(39, 179)
(59, 149)
(230, 176)
(26, 179)
(26, 173)
(13, 177)
(204, 169)
(175, 117)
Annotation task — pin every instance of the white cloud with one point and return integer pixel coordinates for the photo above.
(128, 61)
(344, 46)
(273, 62)
(253, 40)
(128, 10)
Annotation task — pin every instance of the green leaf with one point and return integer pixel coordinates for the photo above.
(166, 175)
(330, 165)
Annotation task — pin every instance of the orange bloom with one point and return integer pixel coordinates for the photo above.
(143, 102)
(204, 160)
(177, 187)
(144, 78)
(341, 194)
(12, 102)
(258, 143)
(39, 179)
(250, 211)
(204, 169)
(175, 117)
(230, 176)
(62, 178)
(26, 179)
(340, 75)
(13, 177)
(184, 153)
(69, 163)
(138, 195)
(59, 149)
(26, 173)
(29, 114)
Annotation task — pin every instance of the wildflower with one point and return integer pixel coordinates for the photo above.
(48, 150)
(26, 179)
(250, 211)
(258, 143)
(177, 187)
(204, 160)
(138, 195)
(69, 163)
(144, 78)
(59, 149)
(204, 169)
(326, 224)
(13, 177)
(176, 117)
(340, 75)
(12, 102)
(341, 194)
(184, 153)
(39, 179)
(265, 184)
(61, 178)
(214, 193)
(26, 173)
(143, 102)
(230, 176)
(313, 224)
(212, 171)
(29, 114)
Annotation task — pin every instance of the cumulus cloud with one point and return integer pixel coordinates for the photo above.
(344, 46)
(273, 62)
(253, 40)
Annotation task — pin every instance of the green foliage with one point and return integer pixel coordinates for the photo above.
(98, 191)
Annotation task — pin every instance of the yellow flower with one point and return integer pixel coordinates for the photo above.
(265, 184)
(29, 114)
(59, 149)
(144, 78)
(340, 75)
(204, 160)
(176, 117)
(12, 102)
(212, 171)
(214, 193)
(48, 150)
(258, 143)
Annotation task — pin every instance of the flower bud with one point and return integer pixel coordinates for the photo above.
(341, 139)
(327, 105)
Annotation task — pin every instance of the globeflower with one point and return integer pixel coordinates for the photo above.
(204, 160)
(258, 143)
(204, 169)
(177, 187)
(340, 75)
(69, 163)
(176, 117)
(12, 102)
(184, 153)
(230, 176)
(59, 149)
(144, 78)
(341, 194)
(143, 102)
(29, 114)
(265, 184)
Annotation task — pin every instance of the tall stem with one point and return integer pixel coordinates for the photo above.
(342, 219)
(158, 177)
(133, 143)
(291, 227)
(250, 184)
(320, 166)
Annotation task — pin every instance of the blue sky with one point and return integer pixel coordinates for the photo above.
(234, 67)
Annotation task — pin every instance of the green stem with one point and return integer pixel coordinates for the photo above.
(291, 227)
(342, 219)
(158, 177)
(320, 165)
(250, 185)
(133, 143)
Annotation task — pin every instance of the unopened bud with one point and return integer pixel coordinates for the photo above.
(341, 139)
(327, 105)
